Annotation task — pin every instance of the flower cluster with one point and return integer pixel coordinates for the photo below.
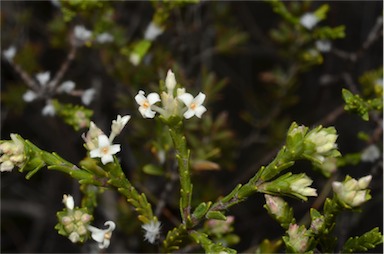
(352, 192)
(100, 145)
(73, 222)
(174, 103)
(298, 239)
(12, 154)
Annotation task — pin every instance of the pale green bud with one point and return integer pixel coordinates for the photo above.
(74, 237)
(352, 192)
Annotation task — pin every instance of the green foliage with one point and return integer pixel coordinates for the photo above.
(74, 115)
(356, 104)
(364, 242)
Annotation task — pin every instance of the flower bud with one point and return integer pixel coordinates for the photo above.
(74, 237)
(170, 82)
(352, 192)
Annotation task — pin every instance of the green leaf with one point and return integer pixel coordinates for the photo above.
(151, 169)
(367, 241)
(216, 215)
(74, 115)
(201, 210)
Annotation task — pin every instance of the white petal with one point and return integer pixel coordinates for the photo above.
(152, 31)
(48, 110)
(140, 98)
(43, 77)
(87, 96)
(29, 96)
(111, 225)
(113, 149)
(104, 244)
(95, 153)
(103, 141)
(200, 98)
(149, 113)
(106, 159)
(97, 234)
(189, 113)
(153, 98)
(66, 86)
(199, 111)
(186, 98)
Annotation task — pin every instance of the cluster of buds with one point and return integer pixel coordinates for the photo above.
(296, 185)
(318, 145)
(298, 239)
(73, 222)
(352, 192)
(12, 154)
(99, 144)
(175, 102)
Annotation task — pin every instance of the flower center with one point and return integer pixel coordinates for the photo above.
(193, 106)
(146, 104)
(104, 150)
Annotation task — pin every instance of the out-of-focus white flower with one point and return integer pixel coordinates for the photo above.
(12, 154)
(29, 96)
(10, 53)
(48, 110)
(102, 236)
(56, 3)
(170, 82)
(82, 34)
(309, 20)
(88, 96)
(146, 103)
(194, 105)
(152, 31)
(134, 58)
(152, 231)
(352, 192)
(43, 78)
(323, 45)
(66, 87)
(300, 186)
(104, 38)
(68, 201)
(118, 125)
(104, 150)
(370, 154)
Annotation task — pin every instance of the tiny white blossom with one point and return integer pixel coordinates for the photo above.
(301, 186)
(118, 125)
(43, 77)
(104, 150)
(48, 110)
(351, 191)
(134, 58)
(370, 154)
(29, 96)
(152, 231)
(323, 45)
(82, 34)
(170, 82)
(88, 95)
(102, 236)
(146, 103)
(194, 105)
(66, 87)
(9, 53)
(309, 20)
(152, 31)
(6, 165)
(104, 38)
(68, 201)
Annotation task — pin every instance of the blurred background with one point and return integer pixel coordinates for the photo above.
(259, 71)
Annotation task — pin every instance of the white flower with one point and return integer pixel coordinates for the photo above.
(118, 125)
(324, 141)
(351, 191)
(43, 77)
(68, 201)
(323, 45)
(87, 96)
(104, 38)
(12, 153)
(6, 165)
(134, 58)
(102, 236)
(9, 53)
(48, 110)
(29, 96)
(194, 105)
(82, 34)
(370, 154)
(170, 82)
(152, 230)
(152, 31)
(309, 20)
(146, 103)
(104, 150)
(66, 87)
(301, 186)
